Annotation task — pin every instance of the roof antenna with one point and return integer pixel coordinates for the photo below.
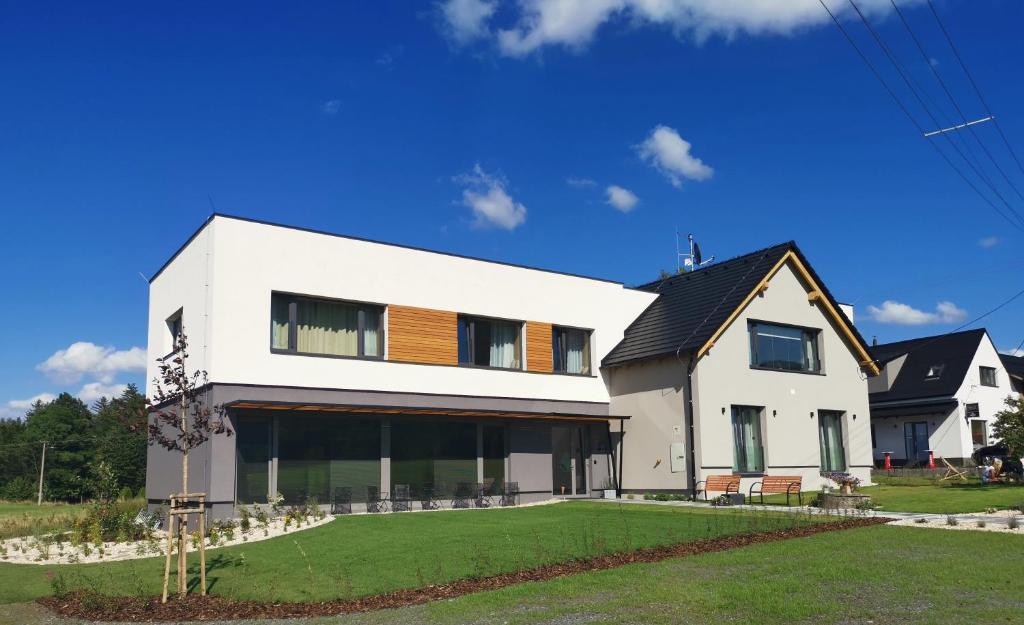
(693, 260)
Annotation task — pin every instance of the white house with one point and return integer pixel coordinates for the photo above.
(360, 367)
(937, 394)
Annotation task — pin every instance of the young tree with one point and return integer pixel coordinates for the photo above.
(180, 421)
(1009, 426)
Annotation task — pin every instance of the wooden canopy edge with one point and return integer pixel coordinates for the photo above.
(405, 410)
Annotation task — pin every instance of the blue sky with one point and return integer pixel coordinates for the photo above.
(576, 140)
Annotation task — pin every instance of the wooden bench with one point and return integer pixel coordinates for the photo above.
(778, 484)
(719, 484)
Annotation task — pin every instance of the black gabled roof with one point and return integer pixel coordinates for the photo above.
(1014, 364)
(692, 306)
(954, 352)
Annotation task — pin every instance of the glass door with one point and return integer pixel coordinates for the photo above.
(915, 437)
(568, 460)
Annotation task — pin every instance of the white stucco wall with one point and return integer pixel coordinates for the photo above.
(990, 399)
(250, 260)
(723, 378)
(182, 285)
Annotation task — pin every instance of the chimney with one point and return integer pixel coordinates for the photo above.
(874, 341)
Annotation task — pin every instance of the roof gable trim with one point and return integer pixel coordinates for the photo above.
(790, 256)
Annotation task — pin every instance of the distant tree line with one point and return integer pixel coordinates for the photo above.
(91, 452)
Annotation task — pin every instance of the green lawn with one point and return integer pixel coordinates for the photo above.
(919, 494)
(879, 574)
(369, 554)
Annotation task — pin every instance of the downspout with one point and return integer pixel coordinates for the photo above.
(622, 452)
(691, 463)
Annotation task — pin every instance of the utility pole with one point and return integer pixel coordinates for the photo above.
(42, 466)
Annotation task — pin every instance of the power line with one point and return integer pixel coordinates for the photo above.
(970, 79)
(904, 75)
(942, 83)
(902, 107)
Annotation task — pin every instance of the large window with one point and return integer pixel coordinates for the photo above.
(979, 433)
(748, 450)
(988, 376)
(570, 350)
(785, 348)
(490, 342)
(252, 459)
(328, 327)
(316, 455)
(438, 455)
(493, 438)
(830, 439)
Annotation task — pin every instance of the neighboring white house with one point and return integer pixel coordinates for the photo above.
(360, 367)
(938, 394)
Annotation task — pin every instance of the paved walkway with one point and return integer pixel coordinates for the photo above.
(990, 519)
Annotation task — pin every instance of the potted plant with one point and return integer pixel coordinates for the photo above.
(847, 483)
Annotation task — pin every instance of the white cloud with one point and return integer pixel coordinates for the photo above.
(988, 242)
(16, 408)
(95, 390)
(83, 359)
(573, 24)
(389, 56)
(491, 204)
(902, 314)
(580, 183)
(464, 21)
(330, 107)
(670, 154)
(621, 199)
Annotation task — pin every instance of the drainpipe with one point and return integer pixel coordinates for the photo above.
(691, 463)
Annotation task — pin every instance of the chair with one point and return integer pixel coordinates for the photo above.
(400, 499)
(374, 501)
(481, 497)
(952, 472)
(510, 494)
(427, 501)
(342, 502)
(463, 494)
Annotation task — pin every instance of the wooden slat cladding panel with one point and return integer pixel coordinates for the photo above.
(422, 335)
(538, 347)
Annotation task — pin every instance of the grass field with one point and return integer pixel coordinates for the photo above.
(362, 555)
(918, 494)
(21, 519)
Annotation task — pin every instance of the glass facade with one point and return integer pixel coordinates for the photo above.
(252, 459)
(493, 455)
(434, 454)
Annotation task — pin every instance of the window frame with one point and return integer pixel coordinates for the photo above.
(753, 324)
(840, 416)
(520, 341)
(588, 333)
(984, 433)
(937, 368)
(293, 331)
(175, 323)
(760, 411)
(981, 376)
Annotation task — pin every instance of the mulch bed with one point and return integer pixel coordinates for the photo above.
(197, 608)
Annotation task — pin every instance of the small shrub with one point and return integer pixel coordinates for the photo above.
(952, 520)
(921, 520)
(1012, 522)
(245, 521)
(981, 523)
(58, 585)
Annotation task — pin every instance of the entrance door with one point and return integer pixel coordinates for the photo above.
(915, 437)
(568, 460)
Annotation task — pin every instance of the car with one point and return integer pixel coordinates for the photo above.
(1011, 464)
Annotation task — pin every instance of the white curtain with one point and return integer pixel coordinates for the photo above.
(833, 456)
(575, 356)
(371, 333)
(279, 323)
(504, 345)
(747, 449)
(327, 328)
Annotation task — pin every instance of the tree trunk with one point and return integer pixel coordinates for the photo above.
(183, 522)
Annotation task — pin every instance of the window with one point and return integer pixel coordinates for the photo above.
(438, 455)
(979, 433)
(570, 350)
(493, 439)
(934, 372)
(748, 451)
(252, 459)
(490, 342)
(174, 330)
(784, 348)
(874, 443)
(988, 376)
(830, 440)
(306, 325)
(316, 455)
